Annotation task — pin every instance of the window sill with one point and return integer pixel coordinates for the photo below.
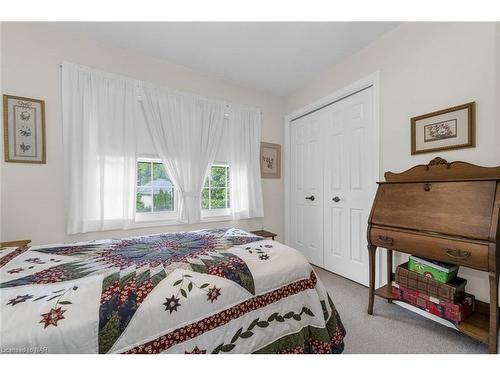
(209, 219)
(156, 223)
(148, 223)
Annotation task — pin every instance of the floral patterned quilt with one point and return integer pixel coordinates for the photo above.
(207, 291)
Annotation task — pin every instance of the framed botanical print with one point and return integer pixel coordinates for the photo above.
(24, 129)
(270, 160)
(447, 129)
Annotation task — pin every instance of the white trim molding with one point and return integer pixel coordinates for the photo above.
(372, 80)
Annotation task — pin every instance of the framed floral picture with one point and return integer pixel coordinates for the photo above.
(447, 129)
(24, 129)
(270, 160)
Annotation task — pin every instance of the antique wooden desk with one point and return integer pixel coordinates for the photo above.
(447, 212)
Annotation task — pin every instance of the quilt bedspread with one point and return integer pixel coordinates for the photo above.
(206, 291)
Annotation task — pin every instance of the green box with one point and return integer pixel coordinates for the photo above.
(439, 271)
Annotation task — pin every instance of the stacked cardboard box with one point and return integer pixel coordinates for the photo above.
(434, 288)
(438, 271)
(453, 291)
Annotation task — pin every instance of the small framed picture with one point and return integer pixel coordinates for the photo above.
(270, 160)
(447, 129)
(24, 129)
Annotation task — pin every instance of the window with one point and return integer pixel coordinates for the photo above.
(215, 194)
(155, 190)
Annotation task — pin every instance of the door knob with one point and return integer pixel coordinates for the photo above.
(336, 199)
(311, 198)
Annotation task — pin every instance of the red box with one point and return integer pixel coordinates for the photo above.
(454, 312)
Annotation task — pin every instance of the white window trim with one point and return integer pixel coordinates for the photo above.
(143, 219)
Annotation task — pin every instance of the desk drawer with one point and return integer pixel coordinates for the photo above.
(460, 252)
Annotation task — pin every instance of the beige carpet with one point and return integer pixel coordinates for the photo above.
(392, 329)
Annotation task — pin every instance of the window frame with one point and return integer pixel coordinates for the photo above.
(207, 213)
(154, 216)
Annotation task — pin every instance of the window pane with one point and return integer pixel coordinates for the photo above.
(155, 190)
(228, 202)
(218, 198)
(206, 184)
(160, 173)
(204, 199)
(162, 200)
(218, 177)
(143, 173)
(143, 202)
(162, 189)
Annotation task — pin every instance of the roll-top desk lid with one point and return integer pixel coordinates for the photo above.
(456, 199)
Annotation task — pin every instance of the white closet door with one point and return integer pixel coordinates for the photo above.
(349, 183)
(306, 222)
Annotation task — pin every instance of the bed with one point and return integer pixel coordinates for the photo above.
(207, 291)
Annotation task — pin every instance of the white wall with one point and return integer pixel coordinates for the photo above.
(1, 138)
(425, 67)
(32, 195)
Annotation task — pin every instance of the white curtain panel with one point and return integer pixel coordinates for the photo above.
(243, 143)
(186, 131)
(99, 111)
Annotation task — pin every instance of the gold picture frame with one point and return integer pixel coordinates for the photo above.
(270, 160)
(24, 130)
(448, 129)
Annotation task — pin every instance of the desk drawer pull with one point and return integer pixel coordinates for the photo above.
(457, 253)
(387, 240)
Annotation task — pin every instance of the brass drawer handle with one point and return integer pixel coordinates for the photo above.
(457, 253)
(387, 240)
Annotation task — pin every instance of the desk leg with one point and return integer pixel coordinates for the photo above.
(371, 292)
(389, 269)
(493, 337)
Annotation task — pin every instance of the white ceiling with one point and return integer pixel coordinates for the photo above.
(276, 57)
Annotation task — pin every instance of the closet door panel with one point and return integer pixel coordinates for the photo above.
(348, 181)
(307, 188)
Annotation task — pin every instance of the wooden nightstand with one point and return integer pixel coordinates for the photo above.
(19, 243)
(265, 234)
